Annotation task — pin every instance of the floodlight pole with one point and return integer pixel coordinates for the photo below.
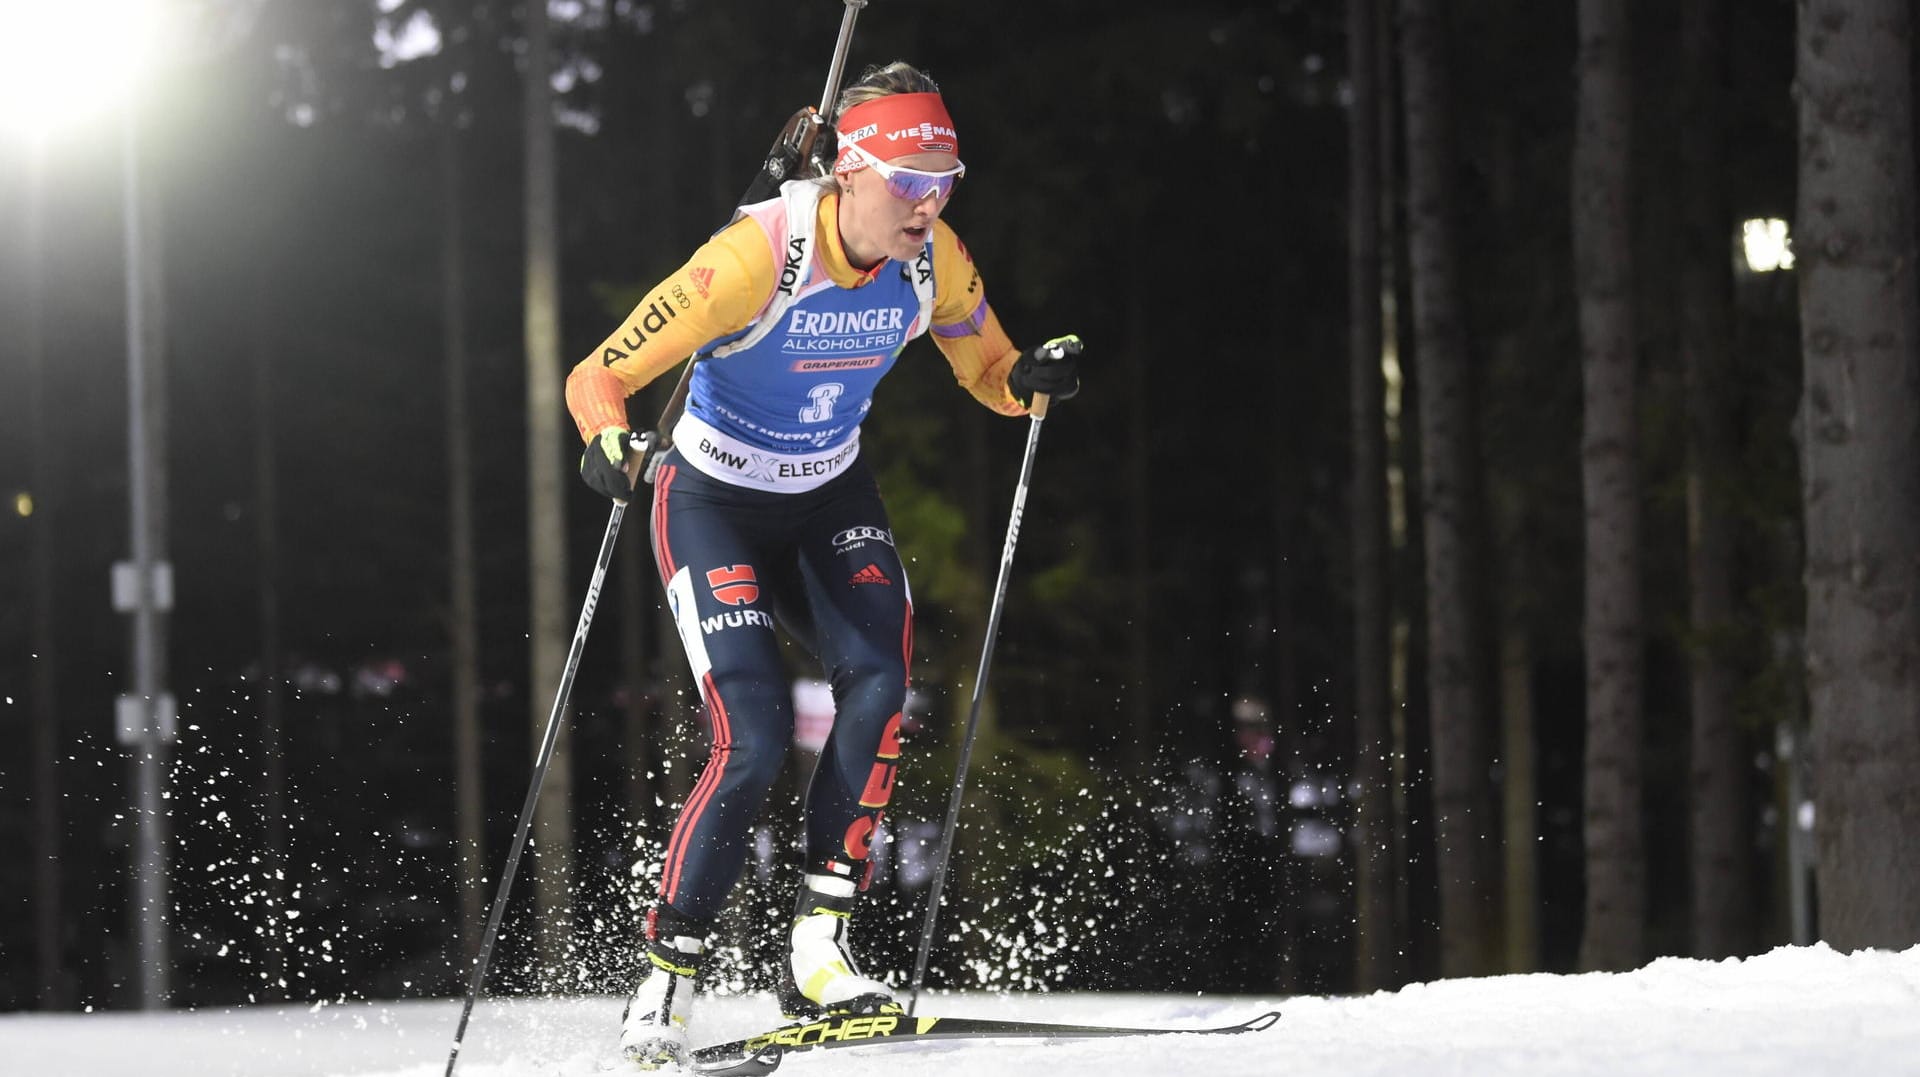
(143, 588)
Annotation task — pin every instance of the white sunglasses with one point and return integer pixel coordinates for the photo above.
(912, 184)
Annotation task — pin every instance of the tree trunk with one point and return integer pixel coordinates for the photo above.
(1373, 821)
(274, 809)
(635, 573)
(1519, 797)
(1449, 493)
(1603, 281)
(546, 505)
(1860, 439)
(1406, 616)
(1141, 738)
(463, 618)
(1719, 861)
(675, 742)
(53, 978)
(972, 627)
(1514, 515)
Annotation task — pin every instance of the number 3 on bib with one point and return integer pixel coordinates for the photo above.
(823, 397)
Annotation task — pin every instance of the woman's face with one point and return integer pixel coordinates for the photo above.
(876, 224)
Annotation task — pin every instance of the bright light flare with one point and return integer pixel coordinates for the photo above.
(62, 63)
(1767, 245)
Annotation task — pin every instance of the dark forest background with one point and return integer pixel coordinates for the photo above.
(1165, 793)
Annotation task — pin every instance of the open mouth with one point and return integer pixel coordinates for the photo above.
(917, 234)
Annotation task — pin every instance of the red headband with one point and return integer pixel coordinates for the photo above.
(896, 125)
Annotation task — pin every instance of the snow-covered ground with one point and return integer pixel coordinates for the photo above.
(1807, 1011)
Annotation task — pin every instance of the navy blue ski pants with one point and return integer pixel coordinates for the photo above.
(823, 564)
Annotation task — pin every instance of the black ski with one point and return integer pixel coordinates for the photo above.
(762, 1053)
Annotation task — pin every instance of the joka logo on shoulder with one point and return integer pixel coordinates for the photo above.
(735, 585)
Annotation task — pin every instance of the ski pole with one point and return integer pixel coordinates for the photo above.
(1038, 413)
(540, 764)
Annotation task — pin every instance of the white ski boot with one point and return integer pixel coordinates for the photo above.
(653, 1030)
(822, 977)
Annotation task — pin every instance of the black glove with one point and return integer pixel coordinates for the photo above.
(1052, 368)
(604, 464)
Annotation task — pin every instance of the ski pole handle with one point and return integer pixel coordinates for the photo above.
(646, 460)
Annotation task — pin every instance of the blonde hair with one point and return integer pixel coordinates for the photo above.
(878, 81)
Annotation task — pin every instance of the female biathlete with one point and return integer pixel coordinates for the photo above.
(763, 510)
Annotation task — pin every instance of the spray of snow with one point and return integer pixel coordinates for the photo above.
(1794, 1011)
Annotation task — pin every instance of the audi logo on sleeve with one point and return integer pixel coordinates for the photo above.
(855, 537)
